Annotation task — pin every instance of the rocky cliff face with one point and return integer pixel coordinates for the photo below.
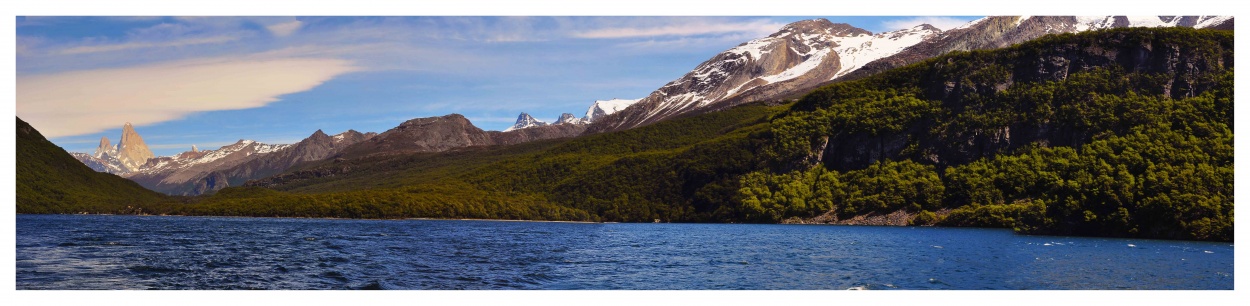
(1185, 72)
(131, 150)
(800, 55)
(105, 149)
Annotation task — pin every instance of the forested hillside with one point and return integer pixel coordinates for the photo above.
(49, 180)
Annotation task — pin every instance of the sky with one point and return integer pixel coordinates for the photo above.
(211, 81)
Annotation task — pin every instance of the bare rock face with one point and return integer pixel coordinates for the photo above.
(1183, 68)
(105, 149)
(132, 151)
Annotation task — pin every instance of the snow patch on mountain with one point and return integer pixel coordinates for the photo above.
(1210, 21)
(607, 107)
(856, 51)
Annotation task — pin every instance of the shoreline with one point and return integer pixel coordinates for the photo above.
(1013, 232)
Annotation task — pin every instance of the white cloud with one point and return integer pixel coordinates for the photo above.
(284, 29)
(90, 101)
(695, 27)
(144, 45)
(944, 23)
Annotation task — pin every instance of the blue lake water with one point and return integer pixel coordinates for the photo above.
(148, 252)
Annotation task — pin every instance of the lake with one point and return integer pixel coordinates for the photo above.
(154, 252)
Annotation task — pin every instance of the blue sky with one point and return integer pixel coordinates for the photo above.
(210, 81)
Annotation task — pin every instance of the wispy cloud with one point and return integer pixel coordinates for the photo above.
(944, 23)
(143, 45)
(669, 44)
(695, 27)
(284, 29)
(89, 101)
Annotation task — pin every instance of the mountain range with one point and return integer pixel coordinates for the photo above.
(1114, 132)
(798, 58)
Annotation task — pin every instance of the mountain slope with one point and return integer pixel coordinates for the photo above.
(807, 54)
(316, 147)
(179, 174)
(1002, 31)
(49, 180)
(801, 54)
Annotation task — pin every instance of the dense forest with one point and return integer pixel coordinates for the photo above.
(1123, 132)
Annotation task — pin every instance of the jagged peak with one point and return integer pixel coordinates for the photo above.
(925, 26)
(319, 133)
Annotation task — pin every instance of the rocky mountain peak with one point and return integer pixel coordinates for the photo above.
(603, 108)
(567, 118)
(105, 148)
(131, 150)
(194, 149)
(524, 120)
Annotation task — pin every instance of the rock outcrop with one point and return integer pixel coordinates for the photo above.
(131, 150)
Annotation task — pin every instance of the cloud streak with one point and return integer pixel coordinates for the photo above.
(90, 101)
(682, 29)
(144, 45)
(284, 29)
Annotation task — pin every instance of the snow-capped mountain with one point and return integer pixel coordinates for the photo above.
(525, 121)
(567, 118)
(806, 54)
(1002, 31)
(170, 174)
(801, 54)
(126, 157)
(603, 108)
(316, 147)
